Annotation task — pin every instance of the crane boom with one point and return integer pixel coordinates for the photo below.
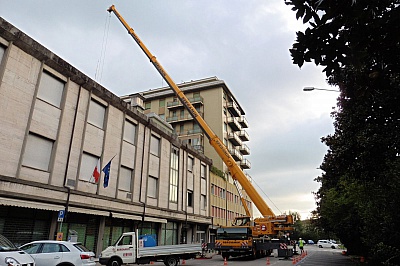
(215, 142)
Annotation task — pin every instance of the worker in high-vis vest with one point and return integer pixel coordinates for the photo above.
(301, 245)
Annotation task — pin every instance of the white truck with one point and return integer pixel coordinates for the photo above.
(130, 250)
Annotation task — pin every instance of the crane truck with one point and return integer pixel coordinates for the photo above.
(245, 236)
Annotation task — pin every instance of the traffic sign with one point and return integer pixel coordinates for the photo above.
(61, 214)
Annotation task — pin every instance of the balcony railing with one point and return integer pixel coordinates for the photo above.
(233, 109)
(236, 154)
(244, 135)
(245, 164)
(244, 149)
(194, 100)
(243, 122)
(234, 123)
(181, 118)
(234, 139)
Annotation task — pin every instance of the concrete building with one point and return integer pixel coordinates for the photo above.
(57, 124)
(220, 109)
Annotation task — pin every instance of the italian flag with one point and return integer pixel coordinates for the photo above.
(96, 172)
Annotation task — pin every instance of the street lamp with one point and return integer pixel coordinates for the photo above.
(313, 88)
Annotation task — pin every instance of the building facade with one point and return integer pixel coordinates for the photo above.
(215, 102)
(57, 125)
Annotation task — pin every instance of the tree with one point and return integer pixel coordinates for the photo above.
(358, 43)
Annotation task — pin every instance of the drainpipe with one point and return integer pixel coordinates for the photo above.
(69, 155)
(141, 178)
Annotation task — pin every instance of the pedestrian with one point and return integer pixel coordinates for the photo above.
(301, 245)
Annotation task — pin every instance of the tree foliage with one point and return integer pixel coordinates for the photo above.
(358, 43)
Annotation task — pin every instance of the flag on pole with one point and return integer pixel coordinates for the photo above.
(106, 171)
(96, 172)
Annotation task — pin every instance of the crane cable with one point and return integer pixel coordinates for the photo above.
(266, 195)
(100, 63)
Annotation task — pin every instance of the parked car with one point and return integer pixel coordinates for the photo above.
(310, 242)
(327, 244)
(11, 255)
(54, 253)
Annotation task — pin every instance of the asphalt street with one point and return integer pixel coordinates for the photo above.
(315, 257)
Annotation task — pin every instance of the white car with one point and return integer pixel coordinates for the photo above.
(54, 253)
(326, 244)
(11, 255)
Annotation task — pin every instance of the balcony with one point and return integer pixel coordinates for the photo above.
(234, 139)
(233, 109)
(243, 135)
(194, 101)
(245, 164)
(190, 132)
(234, 123)
(236, 154)
(177, 119)
(243, 122)
(244, 149)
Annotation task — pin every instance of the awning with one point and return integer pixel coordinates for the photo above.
(126, 216)
(156, 220)
(88, 211)
(30, 204)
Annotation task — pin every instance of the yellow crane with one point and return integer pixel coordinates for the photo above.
(270, 224)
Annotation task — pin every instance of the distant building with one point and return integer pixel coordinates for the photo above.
(56, 125)
(222, 112)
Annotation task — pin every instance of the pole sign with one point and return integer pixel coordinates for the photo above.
(61, 214)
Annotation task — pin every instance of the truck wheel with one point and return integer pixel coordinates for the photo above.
(171, 261)
(114, 262)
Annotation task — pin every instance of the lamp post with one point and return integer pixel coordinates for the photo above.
(313, 88)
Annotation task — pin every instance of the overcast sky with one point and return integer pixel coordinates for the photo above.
(244, 43)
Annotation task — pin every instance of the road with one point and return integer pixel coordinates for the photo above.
(315, 257)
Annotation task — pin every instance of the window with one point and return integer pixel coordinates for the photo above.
(50, 89)
(155, 146)
(125, 178)
(190, 164)
(203, 173)
(147, 105)
(38, 152)
(182, 115)
(174, 172)
(88, 164)
(129, 132)
(96, 114)
(203, 202)
(152, 187)
(161, 103)
(190, 198)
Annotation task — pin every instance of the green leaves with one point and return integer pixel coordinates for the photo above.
(358, 43)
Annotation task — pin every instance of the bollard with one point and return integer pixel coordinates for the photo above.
(225, 262)
(268, 263)
(183, 261)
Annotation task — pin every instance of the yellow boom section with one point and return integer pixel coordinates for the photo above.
(218, 145)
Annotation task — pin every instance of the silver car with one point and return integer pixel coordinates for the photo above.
(11, 255)
(54, 253)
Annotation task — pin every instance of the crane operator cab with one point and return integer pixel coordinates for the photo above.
(242, 221)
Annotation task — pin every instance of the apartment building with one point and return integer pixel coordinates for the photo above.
(57, 125)
(220, 109)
